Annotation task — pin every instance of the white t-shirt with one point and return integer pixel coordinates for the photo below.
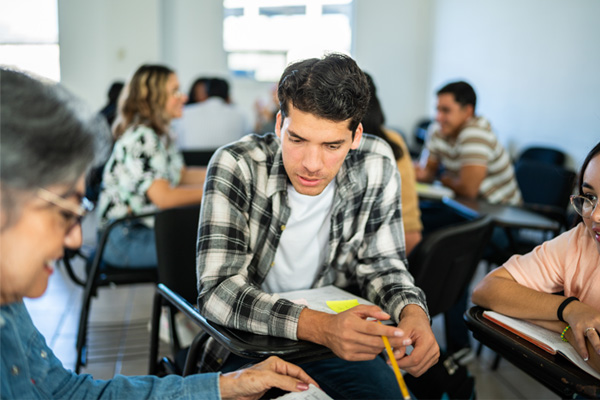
(304, 242)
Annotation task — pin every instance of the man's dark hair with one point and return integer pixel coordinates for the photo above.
(462, 91)
(332, 87)
(218, 87)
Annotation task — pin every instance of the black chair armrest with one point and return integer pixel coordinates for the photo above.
(246, 344)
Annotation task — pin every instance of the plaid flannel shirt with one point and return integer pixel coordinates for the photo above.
(244, 211)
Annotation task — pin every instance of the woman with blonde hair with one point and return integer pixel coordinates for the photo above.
(145, 171)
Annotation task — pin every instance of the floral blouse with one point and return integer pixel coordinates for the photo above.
(139, 157)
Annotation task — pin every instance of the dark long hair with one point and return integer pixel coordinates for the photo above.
(374, 119)
(593, 153)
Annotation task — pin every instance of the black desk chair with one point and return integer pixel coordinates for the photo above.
(176, 232)
(545, 188)
(444, 262)
(197, 157)
(543, 154)
(100, 274)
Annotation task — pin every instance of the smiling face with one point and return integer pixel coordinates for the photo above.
(313, 149)
(591, 189)
(451, 115)
(175, 99)
(30, 244)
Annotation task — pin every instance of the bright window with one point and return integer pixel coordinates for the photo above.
(262, 36)
(29, 36)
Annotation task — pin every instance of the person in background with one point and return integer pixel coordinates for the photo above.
(41, 207)
(525, 286)
(314, 204)
(109, 111)
(212, 123)
(198, 91)
(93, 182)
(475, 166)
(145, 171)
(373, 123)
(266, 112)
(475, 163)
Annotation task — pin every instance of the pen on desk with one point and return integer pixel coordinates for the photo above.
(399, 376)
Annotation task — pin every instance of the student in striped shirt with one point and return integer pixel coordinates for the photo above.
(475, 163)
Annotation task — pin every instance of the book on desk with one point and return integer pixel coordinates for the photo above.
(543, 338)
(435, 191)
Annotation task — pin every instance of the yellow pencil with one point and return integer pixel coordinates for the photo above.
(399, 376)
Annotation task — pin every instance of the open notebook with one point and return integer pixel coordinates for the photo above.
(541, 337)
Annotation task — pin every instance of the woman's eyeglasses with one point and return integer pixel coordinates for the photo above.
(72, 213)
(583, 205)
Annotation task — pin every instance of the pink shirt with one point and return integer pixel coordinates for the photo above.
(569, 262)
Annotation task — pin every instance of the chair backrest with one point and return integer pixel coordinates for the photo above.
(544, 154)
(544, 184)
(197, 157)
(445, 261)
(176, 232)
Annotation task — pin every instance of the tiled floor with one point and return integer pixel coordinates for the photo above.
(119, 338)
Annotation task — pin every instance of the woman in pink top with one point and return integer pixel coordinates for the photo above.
(523, 286)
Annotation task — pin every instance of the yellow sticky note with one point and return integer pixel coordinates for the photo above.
(342, 305)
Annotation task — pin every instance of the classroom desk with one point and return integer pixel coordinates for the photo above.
(506, 217)
(503, 215)
(553, 371)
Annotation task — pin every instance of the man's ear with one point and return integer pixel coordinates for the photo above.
(278, 121)
(357, 137)
(470, 110)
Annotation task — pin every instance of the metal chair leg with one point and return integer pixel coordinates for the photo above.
(154, 334)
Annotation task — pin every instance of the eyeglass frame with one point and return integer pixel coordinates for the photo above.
(77, 213)
(576, 196)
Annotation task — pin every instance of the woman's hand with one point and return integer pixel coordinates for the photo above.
(253, 382)
(585, 328)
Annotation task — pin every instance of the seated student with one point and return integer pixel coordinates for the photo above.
(476, 165)
(145, 171)
(41, 206)
(317, 203)
(213, 122)
(110, 109)
(198, 93)
(569, 263)
(373, 123)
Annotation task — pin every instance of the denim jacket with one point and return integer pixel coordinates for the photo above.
(30, 370)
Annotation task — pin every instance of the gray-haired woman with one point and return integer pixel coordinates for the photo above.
(48, 139)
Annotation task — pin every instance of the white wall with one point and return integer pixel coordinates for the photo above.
(392, 42)
(534, 63)
(535, 66)
(193, 38)
(104, 40)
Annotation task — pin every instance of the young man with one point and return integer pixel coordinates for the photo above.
(316, 204)
(476, 164)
